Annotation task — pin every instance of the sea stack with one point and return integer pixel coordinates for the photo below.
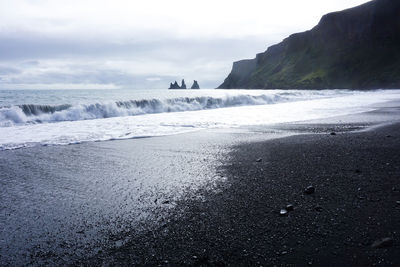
(183, 86)
(195, 85)
(174, 85)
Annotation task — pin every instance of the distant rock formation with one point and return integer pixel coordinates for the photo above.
(174, 85)
(195, 85)
(357, 48)
(183, 86)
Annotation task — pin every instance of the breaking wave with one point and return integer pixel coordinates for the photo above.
(32, 114)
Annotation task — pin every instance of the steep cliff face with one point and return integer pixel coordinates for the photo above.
(240, 74)
(358, 48)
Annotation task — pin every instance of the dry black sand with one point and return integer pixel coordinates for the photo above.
(357, 188)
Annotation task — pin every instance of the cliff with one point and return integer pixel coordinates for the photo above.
(357, 48)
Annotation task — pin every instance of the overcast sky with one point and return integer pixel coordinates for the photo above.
(144, 43)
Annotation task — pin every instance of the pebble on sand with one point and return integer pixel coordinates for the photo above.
(283, 212)
(309, 190)
(289, 207)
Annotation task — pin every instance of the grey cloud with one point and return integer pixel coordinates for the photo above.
(8, 70)
(30, 63)
(22, 47)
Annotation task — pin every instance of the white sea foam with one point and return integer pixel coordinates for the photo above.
(30, 125)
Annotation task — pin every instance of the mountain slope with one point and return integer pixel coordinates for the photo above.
(358, 48)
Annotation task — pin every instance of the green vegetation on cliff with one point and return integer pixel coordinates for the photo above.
(358, 48)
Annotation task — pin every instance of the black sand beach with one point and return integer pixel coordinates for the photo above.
(355, 203)
(211, 199)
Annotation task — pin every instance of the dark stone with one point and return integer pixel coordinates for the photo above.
(318, 208)
(383, 243)
(332, 133)
(309, 190)
(283, 212)
(259, 160)
(289, 207)
(165, 202)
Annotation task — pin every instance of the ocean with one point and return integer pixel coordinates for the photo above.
(59, 117)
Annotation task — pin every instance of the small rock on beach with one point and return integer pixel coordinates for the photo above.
(289, 207)
(309, 190)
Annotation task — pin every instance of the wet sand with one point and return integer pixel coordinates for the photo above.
(62, 204)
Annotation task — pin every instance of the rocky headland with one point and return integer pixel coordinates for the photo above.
(356, 48)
